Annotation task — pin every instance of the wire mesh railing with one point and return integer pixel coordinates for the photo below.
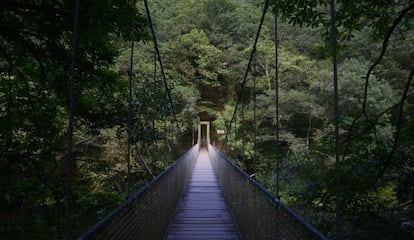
(257, 213)
(148, 212)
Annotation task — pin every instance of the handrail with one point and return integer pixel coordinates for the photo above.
(257, 212)
(148, 212)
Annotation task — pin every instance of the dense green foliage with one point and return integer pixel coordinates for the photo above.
(35, 50)
(205, 46)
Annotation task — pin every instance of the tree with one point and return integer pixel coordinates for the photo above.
(35, 50)
(371, 124)
(201, 65)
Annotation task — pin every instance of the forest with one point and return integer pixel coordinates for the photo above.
(136, 110)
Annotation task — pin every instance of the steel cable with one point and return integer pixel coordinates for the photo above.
(240, 94)
(167, 89)
(338, 229)
(70, 160)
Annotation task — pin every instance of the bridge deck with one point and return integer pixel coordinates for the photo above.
(203, 213)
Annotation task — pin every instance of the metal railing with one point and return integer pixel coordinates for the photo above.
(257, 213)
(148, 212)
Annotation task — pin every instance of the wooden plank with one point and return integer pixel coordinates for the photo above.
(203, 213)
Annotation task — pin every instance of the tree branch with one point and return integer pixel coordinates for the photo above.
(400, 116)
(384, 48)
(386, 163)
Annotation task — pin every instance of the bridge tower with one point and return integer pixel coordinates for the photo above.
(204, 133)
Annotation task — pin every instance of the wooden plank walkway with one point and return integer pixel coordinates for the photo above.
(203, 213)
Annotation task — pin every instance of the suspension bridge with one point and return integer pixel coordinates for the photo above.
(204, 194)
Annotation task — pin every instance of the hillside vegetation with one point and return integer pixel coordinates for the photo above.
(205, 46)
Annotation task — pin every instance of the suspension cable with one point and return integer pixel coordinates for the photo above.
(131, 74)
(154, 86)
(235, 132)
(278, 163)
(338, 229)
(242, 131)
(167, 89)
(254, 112)
(70, 159)
(240, 93)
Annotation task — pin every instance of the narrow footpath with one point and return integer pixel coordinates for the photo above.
(203, 213)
